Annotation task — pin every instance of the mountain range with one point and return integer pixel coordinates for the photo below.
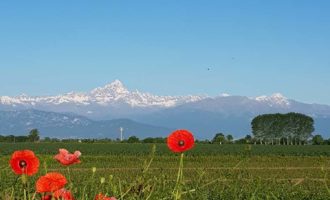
(102, 111)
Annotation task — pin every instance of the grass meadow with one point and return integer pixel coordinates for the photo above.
(141, 171)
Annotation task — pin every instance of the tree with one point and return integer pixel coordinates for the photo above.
(240, 141)
(326, 142)
(317, 140)
(248, 139)
(230, 138)
(294, 127)
(219, 138)
(34, 135)
(133, 139)
(260, 127)
(148, 140)
(154, 140)
(21, 138)
(306, 127)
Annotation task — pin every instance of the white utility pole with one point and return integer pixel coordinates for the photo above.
(121, 133)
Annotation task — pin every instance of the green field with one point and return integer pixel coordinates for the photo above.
(210, 171)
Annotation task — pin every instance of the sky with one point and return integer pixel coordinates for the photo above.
(165, 47)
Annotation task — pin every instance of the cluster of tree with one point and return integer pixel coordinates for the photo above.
(291, 128)
(33, 136)
(221, 138)
(318, 140)
(248, 139)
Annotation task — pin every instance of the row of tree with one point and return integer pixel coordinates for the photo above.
(221, 138)
(33, 136)
(291, 128)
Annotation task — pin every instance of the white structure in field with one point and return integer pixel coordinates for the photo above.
(121, 133)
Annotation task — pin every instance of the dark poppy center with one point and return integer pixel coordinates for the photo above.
(22, 164)
(181, 143)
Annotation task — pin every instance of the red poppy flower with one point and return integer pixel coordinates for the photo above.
(24, 162)
(66, 158)
(61, 194)
(180, 141)
(47, 197)
(51, 182)
(103, 197)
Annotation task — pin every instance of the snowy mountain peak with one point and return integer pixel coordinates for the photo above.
(224, 95)
(116, 87)
(110, 94)
(115, 94)
(278, 96)
(116, 84)
(274, 99)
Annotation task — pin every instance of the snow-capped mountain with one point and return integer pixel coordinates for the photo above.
(116, 91)
(277, 99)
(108, 102)
(202, 114)
(114, 100)
(112, 93)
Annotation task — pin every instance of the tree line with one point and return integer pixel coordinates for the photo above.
(285, 129)
(33, 136)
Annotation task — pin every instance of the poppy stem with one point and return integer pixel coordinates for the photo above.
(177, 188)
(24, 178)
(25, 192)
(152, 155)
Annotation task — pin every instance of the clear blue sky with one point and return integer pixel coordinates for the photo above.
(253, 47)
